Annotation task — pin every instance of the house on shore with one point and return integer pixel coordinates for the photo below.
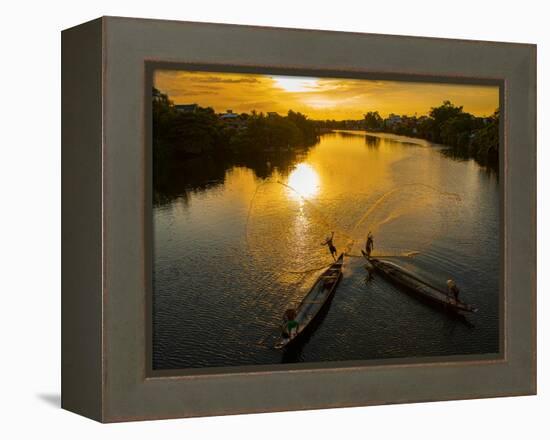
(392, 120)
(187, 108)
(231, 119)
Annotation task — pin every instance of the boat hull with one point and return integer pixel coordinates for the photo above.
(316, 301)
(417, 287)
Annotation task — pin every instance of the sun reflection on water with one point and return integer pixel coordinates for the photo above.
(303, 182)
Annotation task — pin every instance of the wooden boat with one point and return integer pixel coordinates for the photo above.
(315, 300)
(414, 285)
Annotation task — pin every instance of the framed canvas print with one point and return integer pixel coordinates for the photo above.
(262, 219)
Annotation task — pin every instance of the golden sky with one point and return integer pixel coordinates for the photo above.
(319, 98)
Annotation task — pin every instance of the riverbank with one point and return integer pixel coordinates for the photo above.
(466, 135)
(182, 132)
(185, 132)
(484, 153)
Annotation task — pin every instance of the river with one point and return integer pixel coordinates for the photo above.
(237, 242)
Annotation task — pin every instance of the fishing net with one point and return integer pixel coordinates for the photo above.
(285, 230)
(407, 219)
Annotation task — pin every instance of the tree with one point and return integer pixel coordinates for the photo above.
(485, 141)
(177, 134)
(307, 128)
(457, 130)
(373, 121)
(440, 115)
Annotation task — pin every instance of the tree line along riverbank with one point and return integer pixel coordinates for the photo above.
(467, 135)
(184, 131)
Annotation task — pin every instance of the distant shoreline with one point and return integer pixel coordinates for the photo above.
(181, 132)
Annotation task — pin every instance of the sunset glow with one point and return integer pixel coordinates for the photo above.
(319, 98)
(295, 83)
(303, 182)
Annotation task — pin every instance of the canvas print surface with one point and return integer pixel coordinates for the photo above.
(310, 220)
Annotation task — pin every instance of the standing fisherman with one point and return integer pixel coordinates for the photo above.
(331, 247)
(370, 244)
(453, 290)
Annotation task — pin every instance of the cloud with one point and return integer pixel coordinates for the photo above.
(220, 80)
(319, 98)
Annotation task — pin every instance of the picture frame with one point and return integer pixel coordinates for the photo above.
(106, 219)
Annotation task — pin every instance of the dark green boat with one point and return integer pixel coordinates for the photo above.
(316, 299)
(417, 287)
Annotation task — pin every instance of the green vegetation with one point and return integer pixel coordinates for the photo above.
(373, 121)
(466, 134)
(177, 135)
(272, 132)
(192, 131)
(195, 131)
(346, 124)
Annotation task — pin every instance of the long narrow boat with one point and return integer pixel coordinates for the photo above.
(315, 300)
(416, 286)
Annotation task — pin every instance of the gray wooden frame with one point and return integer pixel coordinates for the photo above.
(106, 195)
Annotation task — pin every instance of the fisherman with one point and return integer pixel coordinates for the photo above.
(328, 242)
(452, 289)
(369, 246)
(290, 327)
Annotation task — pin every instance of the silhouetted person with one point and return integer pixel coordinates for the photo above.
(331, 247)
(369, 246)
(290, 326)
(452, 289)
